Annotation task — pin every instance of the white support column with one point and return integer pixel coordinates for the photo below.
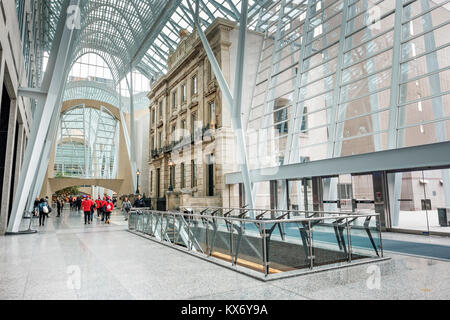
(53, 84)
(132, 136)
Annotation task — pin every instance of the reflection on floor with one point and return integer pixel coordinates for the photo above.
(70, 260)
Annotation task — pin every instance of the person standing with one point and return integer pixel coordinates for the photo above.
(126, 207)
(98, 204)
(44, 209)
(109, 207)
(103, 208)
(59, 205)
(139, 203)
(86, 206)
(36, 204)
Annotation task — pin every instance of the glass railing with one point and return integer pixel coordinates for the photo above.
(271, 241)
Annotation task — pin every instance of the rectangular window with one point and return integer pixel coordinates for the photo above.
(183, 128)
(183, 93)
(151, 181)
(174, 128)
(193, 120)
(153, 115)
(194, 85)
(305, 120)
(183, 176)
(161, 110)
(212, 112)
(194, 174)
(160, 139)
(174, 101)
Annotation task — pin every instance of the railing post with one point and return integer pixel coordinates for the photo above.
(310, 245)
(349, 241)
(174, 229)
(161, 234)
(189, 233)
(265, 253)
(231, 242)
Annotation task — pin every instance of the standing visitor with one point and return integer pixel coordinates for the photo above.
(86, 206)
(59, 205)
(98, 204)
(139, 203)
(36, 204)
(109, 207)
(44, 209)
(126, 206)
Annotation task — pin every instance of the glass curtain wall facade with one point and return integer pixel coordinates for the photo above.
(88, 144)
(365, 76)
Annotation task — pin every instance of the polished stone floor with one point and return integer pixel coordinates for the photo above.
(70, 260)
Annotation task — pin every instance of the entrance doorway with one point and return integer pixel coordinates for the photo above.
(418, 199)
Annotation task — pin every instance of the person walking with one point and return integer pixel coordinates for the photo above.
(86, 206)
(36, 204)
(98, 204)
(44, 209)
(109, 207)
(103, 208)
(59, 205)
(126, 207)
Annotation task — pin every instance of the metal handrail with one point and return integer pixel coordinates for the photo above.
(270, 210)
(258, 221)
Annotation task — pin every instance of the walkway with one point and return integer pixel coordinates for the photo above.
(111, 263)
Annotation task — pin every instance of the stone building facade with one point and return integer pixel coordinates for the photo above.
(191, 136)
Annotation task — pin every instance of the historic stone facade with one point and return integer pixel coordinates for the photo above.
(191, 136)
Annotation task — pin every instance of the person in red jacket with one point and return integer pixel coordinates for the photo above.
(109, 207)
(98, 203)
(86, 205)
(103, 208)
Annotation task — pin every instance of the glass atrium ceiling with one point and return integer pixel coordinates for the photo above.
(144, 32)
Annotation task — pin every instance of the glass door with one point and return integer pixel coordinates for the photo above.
(410, 204)
(363, 193)
(436, 199)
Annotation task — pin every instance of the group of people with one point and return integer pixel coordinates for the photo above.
(103, 206)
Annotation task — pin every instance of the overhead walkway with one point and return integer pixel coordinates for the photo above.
(275, 244)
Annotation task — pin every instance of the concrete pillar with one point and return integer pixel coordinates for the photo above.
(9, 159)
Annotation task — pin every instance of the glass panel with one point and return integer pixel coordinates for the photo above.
(286, 249)
(248, 245)
(329, 241)
(364, 237)
(199, 229)
(436, 183)
(408, 193)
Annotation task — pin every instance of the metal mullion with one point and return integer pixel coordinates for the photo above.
(315, 80)
(316, 95)
(365, 95)
(440, 5)
(425, 53)
(366, 58)
(443, 93)
(368, 75)
(322, 35)
(424, 123)
(424, 75)
(364, 10)
(321, 50)
(364, 114)
(337, 87)
(365, 26)
(362, 135)
(360, 44)
(423, 33)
